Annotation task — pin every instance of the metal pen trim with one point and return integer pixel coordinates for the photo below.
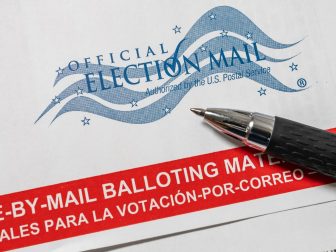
(253, 129)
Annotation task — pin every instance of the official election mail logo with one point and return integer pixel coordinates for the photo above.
(153, 80)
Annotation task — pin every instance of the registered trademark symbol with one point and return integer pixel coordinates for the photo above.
(301, 82)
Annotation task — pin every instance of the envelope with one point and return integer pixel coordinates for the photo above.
(311, 229)
(98, 146)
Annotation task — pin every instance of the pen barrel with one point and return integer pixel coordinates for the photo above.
(304, 146)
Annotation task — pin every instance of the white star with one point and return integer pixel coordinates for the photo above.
(212, 16)
(177, 29)
(56, 100)
(59, 71)
(248, 35)
(134, 103)
(167, 110)
(203, 48)
(79, 91)
(86, 121)
(224, 33)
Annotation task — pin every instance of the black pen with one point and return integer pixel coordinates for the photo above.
(290, 141)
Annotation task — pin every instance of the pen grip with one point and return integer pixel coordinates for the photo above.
(304, 146)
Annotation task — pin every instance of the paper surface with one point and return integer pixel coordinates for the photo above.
(60, 123)
(305, 229)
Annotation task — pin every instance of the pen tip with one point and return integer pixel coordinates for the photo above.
(198, 111)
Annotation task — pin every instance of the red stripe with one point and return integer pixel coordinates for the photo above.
(21, 231)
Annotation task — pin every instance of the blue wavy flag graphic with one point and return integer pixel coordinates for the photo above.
(232, 28)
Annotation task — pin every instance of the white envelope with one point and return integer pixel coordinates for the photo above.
(68, 113)
(305, 229)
